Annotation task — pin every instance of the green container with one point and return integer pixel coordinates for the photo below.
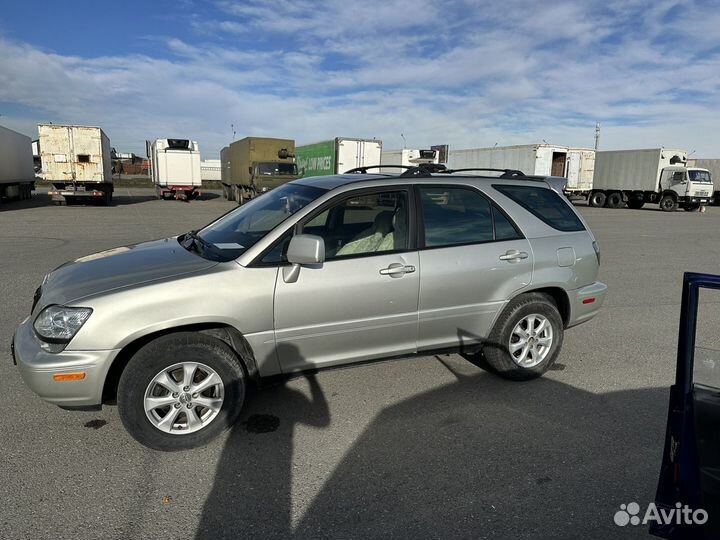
(318, 159)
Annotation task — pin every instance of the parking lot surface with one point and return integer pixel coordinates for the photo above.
(418, 447)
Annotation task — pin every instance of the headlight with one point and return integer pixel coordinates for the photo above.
(58, 324)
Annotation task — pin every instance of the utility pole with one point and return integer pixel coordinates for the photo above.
(232, 126)
(597, 135)
(404, 141)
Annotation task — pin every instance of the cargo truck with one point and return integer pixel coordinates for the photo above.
(713, 166)
(656, 175)
(17, 175)
(255, 165)
(407, 157)
(76, 161)
(337, 155)
(175, 168)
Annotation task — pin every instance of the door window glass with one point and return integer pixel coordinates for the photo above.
(707, 339)
(455, 216)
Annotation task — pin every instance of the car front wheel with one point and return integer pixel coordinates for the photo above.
(526, 339)
(180, 391)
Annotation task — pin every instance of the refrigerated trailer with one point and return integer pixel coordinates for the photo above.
(254, 165)
(407, 157)
(655, 175)
(335, 156)
(17, 175)
(76, 161)
(175, 168)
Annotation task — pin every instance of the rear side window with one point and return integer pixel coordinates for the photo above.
(544, 204)
(454, 216)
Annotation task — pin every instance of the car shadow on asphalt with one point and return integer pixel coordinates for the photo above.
(479, 457)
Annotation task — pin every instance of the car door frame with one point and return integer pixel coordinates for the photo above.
(680, 479)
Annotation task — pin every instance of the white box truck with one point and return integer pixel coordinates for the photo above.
(338, 155)
(17, 175)
(711, 165)
(407, 157)
(654, 175)
(76, 161)
(175, 168)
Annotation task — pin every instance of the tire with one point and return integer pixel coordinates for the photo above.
(636, 203)
(614, 200)
(691, 207)
(497, 350)
(597, 199)
(208, 355)
(668, 203)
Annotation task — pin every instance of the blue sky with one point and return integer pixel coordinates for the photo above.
(469, 74)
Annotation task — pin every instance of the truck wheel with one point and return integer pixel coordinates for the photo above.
(614, 200)
(668, 203)
(180, 391)
(636, 203)
(597, 199)
(691, 207)
(526, 338)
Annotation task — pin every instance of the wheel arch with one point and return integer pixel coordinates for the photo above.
(557, 294)
(229, 335)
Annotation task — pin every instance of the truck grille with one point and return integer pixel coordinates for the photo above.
(702, 194)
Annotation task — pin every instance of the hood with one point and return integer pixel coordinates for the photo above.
(120, 267)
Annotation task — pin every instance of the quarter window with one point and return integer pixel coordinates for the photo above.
(545, 204)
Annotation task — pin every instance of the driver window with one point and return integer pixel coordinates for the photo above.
(363, 225)
(678, 177)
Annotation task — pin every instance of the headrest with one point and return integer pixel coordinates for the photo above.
(384, 222)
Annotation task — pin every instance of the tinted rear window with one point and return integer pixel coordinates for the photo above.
(544, 204)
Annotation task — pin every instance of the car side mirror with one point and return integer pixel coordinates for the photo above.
(304, 249)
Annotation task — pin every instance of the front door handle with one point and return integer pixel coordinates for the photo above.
(397, 270)
(513, 255)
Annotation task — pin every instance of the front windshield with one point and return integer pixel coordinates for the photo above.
(699, 176)
(276, 169)
(236, 232)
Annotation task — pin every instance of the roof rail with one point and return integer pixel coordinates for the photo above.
(506, 173)
(364, 170)
(424, 169)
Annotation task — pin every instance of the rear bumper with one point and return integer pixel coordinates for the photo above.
(38, 366)
(585, 303)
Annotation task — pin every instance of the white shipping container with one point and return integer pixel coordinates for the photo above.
(74, 154)
(531, 159)
(408, 157)
(16, 159)
(175, 162)
(352, 153)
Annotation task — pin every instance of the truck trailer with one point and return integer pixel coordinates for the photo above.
(175, 168)
(254, 165)
(655, 175)
(17, 175)
(335, 156)
(76, 161)
(407, 157)
(713, 166)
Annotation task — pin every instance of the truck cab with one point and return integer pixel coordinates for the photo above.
(693, 186)
(267, 175)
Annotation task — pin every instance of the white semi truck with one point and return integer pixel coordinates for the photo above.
(656, 175)
(17, 175)
(76, 161)
(407, 157)
(575, 164)
(175, 168)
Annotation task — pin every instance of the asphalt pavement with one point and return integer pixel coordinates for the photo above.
(430, 447)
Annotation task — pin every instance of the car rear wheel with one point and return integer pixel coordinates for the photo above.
(180, 391)
(526, 338)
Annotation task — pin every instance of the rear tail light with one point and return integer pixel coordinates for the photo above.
(596, 247)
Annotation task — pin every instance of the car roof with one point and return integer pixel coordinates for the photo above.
(337, 180)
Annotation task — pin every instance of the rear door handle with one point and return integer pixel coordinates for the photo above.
(513, 255)
(397, 270)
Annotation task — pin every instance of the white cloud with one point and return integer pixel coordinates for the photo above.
(440, 72)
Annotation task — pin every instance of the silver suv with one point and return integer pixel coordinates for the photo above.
(319, 272)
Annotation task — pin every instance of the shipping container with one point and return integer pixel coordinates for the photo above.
(338, 155)
(254, 165)
(407, 157)
(17, 175)
(654, 175)
(713, 166)
(175, 168)
(76, 161)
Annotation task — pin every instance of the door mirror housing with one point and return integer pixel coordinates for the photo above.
(304, 249)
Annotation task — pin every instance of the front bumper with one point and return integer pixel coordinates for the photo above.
(586, 302)
(38, 366)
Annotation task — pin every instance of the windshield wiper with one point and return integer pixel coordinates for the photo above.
(197, 242)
